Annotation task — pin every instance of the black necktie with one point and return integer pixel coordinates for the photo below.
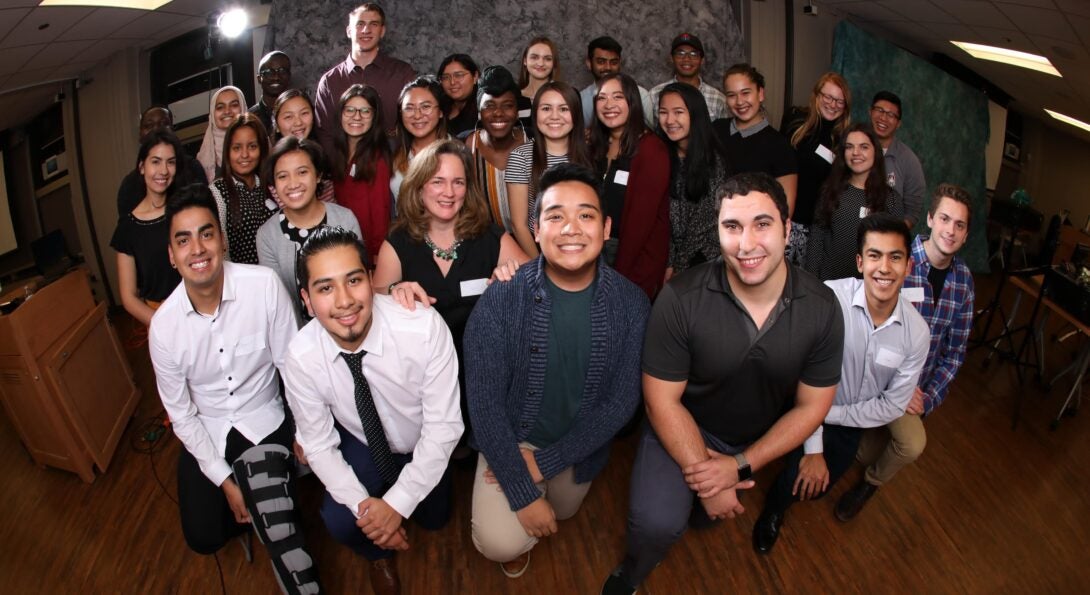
(372, 425)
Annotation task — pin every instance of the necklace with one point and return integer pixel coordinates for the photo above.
(448, 254)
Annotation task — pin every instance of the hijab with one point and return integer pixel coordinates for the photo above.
(210, 154)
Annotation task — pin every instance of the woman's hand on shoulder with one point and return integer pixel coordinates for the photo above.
(408, 293)
(504, 271)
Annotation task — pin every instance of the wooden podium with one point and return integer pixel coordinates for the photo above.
(64, 379)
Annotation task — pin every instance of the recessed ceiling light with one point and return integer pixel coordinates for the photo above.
(134, 4)
(1011, 57)
(1069, 120)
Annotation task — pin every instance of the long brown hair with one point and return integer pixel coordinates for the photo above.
(577, 145)
(412, 216)
(814, 113)
(876, 189)
(372, 147)
(524, 73)
(634, 128)
(244, 120)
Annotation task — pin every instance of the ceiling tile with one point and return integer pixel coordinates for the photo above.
(1030, 3)
(101, 23)
(1082, 26)
(869, 11)
(9, 19)
(185, 26)
(149, 25)
(72, 69)
(13, 59)
(1079, 7)
(57, 53)
(977, 12)
(920, 10)
(59, 19)
(1050, 23)
(27, 77)
(106, 48)
(1007, 39)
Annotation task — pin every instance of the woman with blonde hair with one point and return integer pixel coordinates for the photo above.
(814, 140)
(539, 64)
(443, 247)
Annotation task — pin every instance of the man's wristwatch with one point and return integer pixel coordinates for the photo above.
(744, 471)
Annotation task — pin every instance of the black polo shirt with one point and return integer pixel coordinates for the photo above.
(741, 379)
(764, 150)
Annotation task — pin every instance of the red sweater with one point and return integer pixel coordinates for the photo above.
(645, 221)
(370, 203)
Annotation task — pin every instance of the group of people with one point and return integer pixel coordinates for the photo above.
(511, 277)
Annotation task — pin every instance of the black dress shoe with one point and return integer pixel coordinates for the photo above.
(384, 579)
(767, 531)
(853, 500)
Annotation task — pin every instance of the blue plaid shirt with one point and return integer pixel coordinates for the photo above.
(951, 321)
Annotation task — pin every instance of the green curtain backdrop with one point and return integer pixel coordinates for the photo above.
(945, 121)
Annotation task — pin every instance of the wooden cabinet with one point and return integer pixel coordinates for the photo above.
(64, 379)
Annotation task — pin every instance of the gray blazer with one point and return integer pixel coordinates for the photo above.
(278, 252)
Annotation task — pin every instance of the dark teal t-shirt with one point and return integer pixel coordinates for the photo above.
(566, 362)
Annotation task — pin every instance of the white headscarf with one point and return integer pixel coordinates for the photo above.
(210, 154)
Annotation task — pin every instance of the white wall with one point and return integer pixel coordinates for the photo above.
(813, 52)
(768, 52)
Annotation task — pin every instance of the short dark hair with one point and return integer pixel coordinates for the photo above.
(749, 70)
(369, 7)
(743, 184)
(322, 239)
(496, 81)
(566, 172)
(604, 42)
(152, 107)
(289, 144)
(882, 223)
(891, 97)
(953, 192)
(192, 196)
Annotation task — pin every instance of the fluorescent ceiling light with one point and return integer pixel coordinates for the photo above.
(1011, 57)
(1069, 120)
(134, 4)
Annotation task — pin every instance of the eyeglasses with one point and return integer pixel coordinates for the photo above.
(424, 109)
(453, 76)
(832, 100)
(280, 70)
(351, 112)
(884, 113)
(687, 54)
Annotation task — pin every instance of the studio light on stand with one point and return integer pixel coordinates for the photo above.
(228, 24)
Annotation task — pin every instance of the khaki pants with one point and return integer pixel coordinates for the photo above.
(496, 530)
(889, 449)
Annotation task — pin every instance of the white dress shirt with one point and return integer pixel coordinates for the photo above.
(881, 365)
(218, 372)
(412, 370)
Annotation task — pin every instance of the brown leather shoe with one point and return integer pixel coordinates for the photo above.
(517, 567)
(384, 580)
(853, 500)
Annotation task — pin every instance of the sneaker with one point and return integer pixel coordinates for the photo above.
(615, 585)
(517, 567)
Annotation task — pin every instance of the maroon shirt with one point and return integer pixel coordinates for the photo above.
(386, 74)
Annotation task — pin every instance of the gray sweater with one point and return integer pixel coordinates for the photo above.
(277, 252)
(505, 355)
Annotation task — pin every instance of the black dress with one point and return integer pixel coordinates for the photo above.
(147, 242)
(477, 258)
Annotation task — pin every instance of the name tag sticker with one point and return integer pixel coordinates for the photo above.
(473, 287)
(524, 113)
(889, 358)
(824, 152)
(863, 212)
(912, 294)
(621, 177)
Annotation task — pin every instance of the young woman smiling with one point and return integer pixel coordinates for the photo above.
(361, 164)
(698, 166)
(855, 188)
(458, 74)
(422, 110)
(244, 202)
(635, 170)
(226, 105)
(540, 64)
(558, 138)
(496, 136)
(814, 139)
(294, 168)
(442, 248)
(144, 271)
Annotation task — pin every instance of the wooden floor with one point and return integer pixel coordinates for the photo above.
(985, 510)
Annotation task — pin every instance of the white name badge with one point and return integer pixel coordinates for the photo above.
(824, 152)
(621, 177)
(889, 358)
(473, 287)
(912, 294)
(863, 212)
(524, 113)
